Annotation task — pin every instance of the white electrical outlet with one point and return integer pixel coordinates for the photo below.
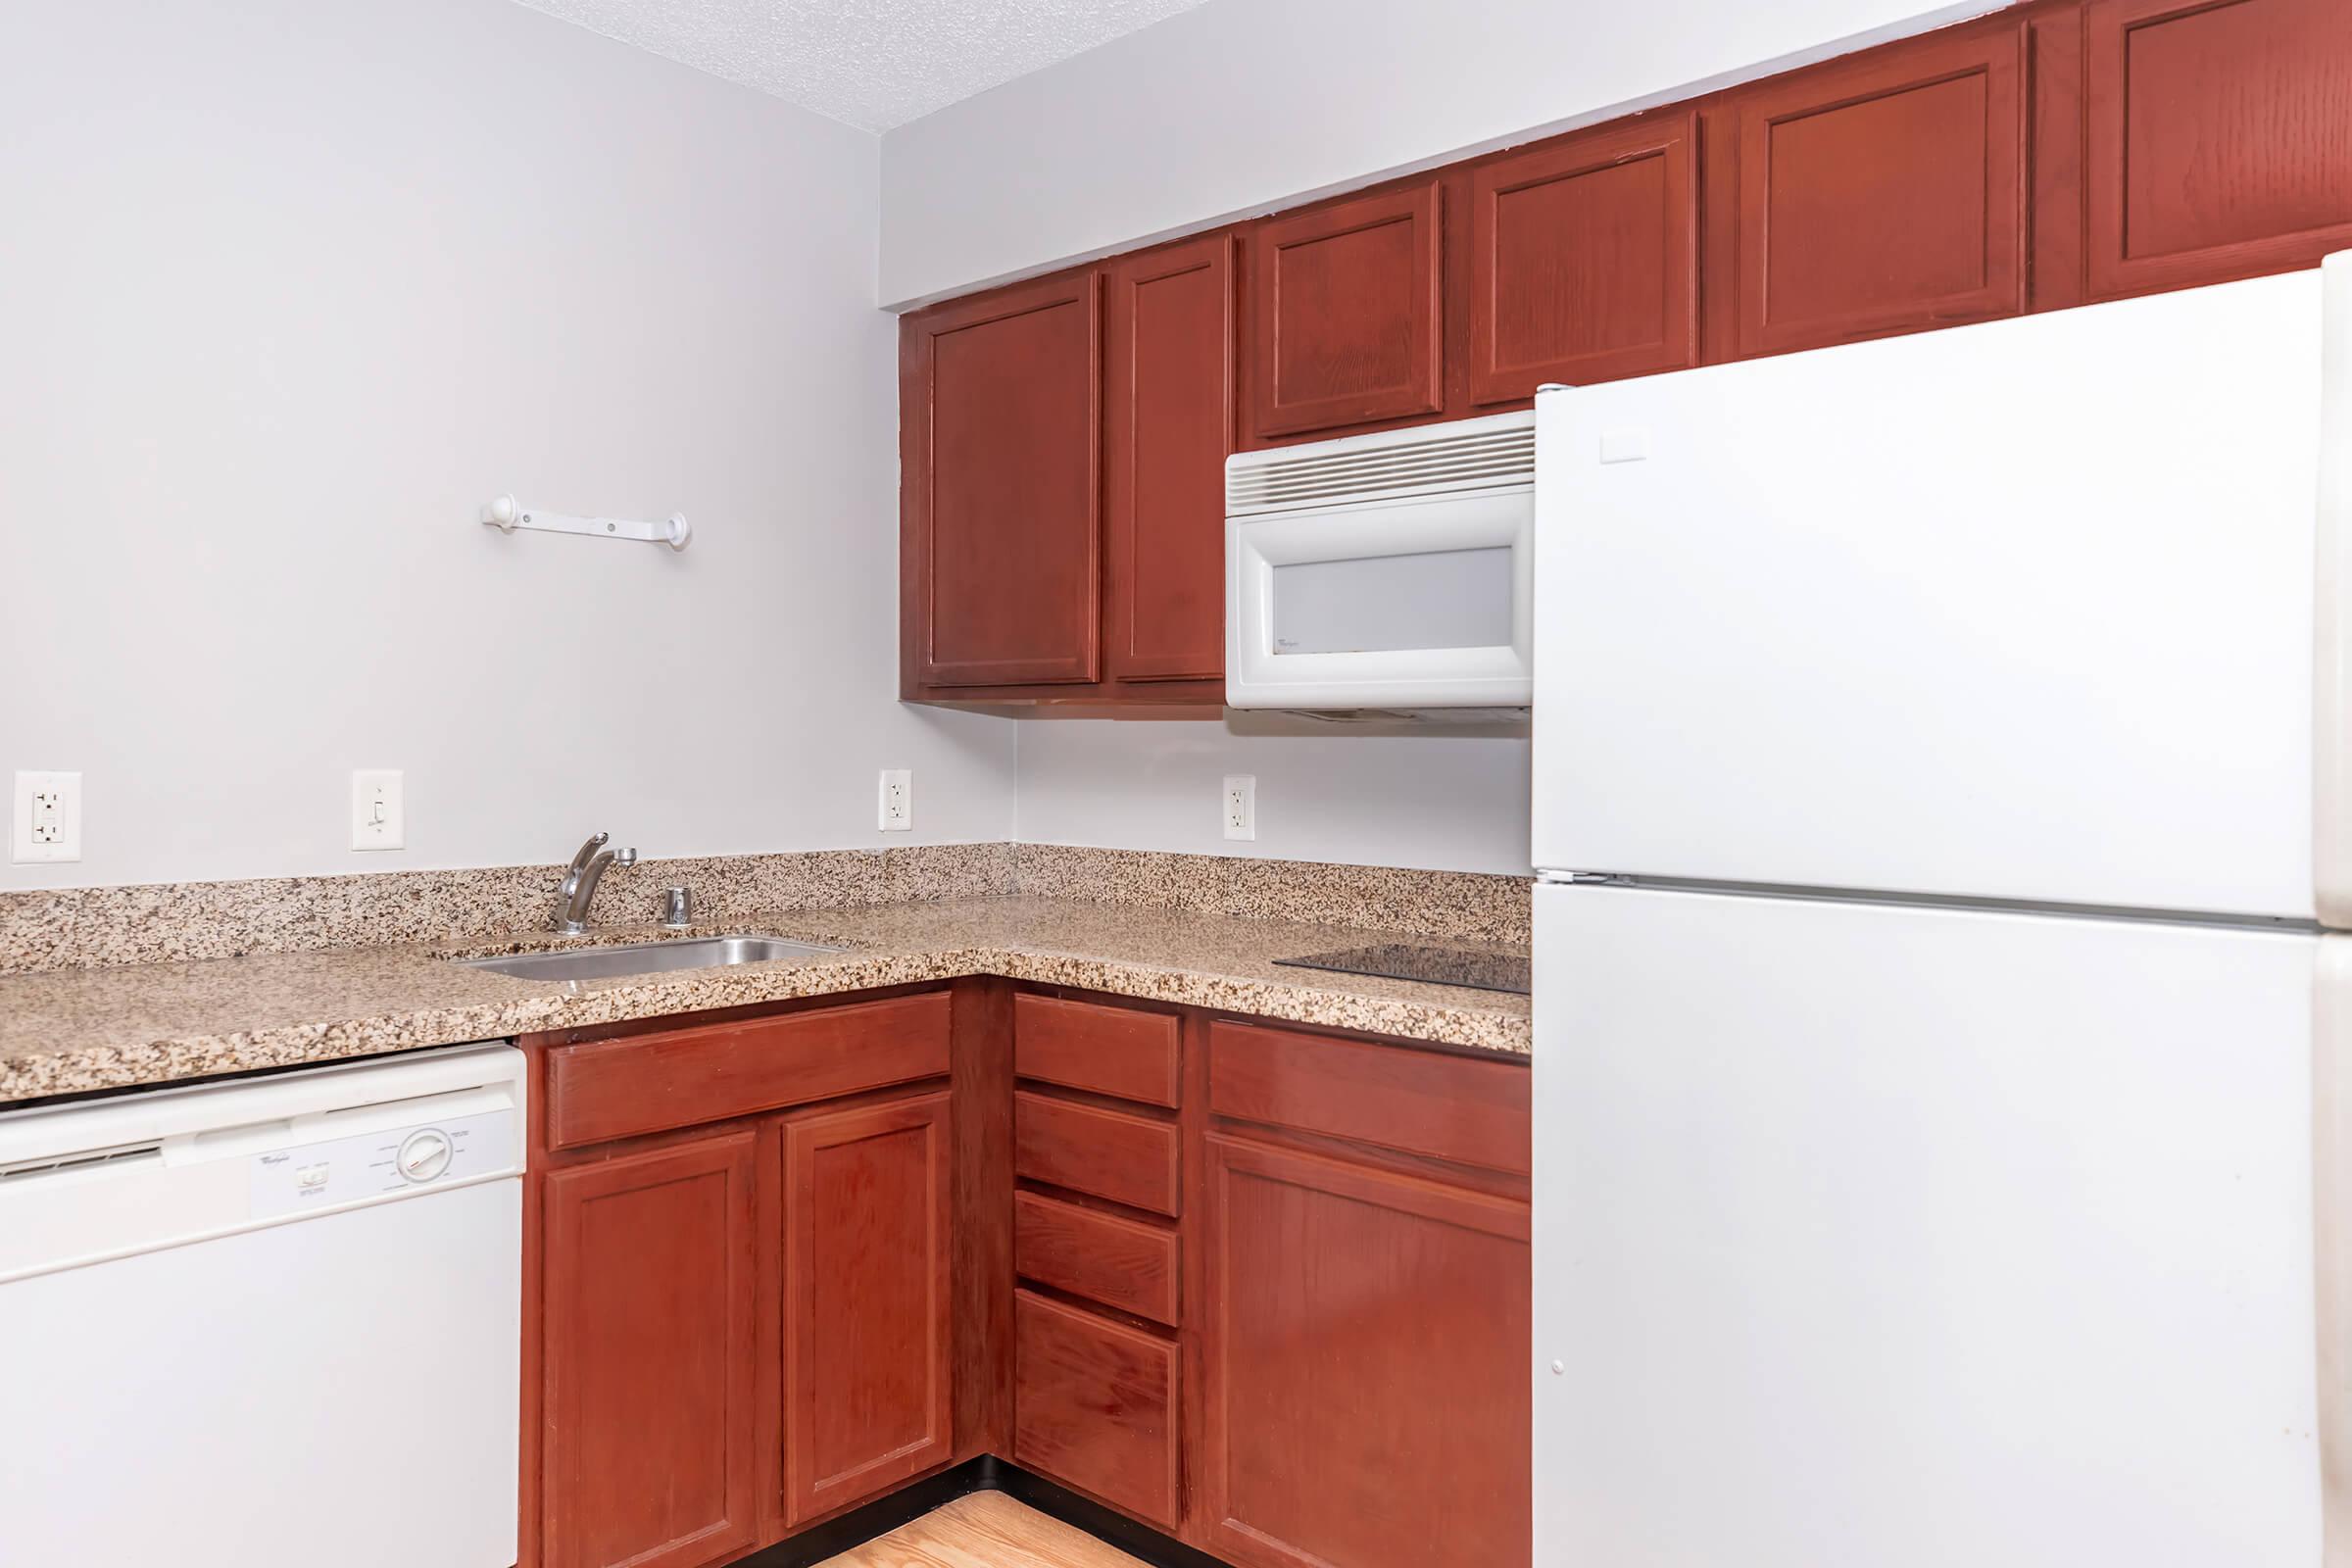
(897, 810)
(1241, 805)
(378, 820)
(47, 827)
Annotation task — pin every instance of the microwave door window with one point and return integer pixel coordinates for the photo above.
(1393, 603)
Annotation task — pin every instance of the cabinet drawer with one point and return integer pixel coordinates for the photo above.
(1095, 1407)
(650, 1083)
(1121, 1262)
(1110, 1051)
(1448, 1107)
(1128, 1159)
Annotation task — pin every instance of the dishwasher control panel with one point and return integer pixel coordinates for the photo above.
(381, 1163)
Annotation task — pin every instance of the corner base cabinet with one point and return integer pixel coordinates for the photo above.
(1261, 1289)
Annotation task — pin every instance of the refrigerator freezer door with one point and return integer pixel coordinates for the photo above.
(2019, 611)
(1869, 1235)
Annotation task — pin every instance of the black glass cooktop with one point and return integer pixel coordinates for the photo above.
(1439, 966)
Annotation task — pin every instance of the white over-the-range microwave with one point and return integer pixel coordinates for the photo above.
(1385, 574)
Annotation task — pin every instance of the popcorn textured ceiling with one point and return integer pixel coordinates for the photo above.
(872, 64)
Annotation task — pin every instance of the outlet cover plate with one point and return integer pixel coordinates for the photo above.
(1239, 806)
(895, 808)
(46, 829)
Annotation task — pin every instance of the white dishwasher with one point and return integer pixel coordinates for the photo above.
(268, 1324)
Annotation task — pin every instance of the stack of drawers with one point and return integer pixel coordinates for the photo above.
(1098, 1157)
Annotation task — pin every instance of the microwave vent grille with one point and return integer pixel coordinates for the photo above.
(1487, 459)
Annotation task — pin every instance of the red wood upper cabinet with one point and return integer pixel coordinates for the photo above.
(1169, 420)
(1883, 193)
(867, 1386)
(1583, 259)
(1000, 424)
(2219, 139)
(649, 1361)
(1345, 313)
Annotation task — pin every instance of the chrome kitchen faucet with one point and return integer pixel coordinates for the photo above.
(580, 880)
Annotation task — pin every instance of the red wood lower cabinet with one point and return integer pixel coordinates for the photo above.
(1367, 1398)
(1097, 1406)
(649, 1362)
(1282, 1316)
(868, 1380)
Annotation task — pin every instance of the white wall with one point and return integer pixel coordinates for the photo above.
(1242, 105)
(1455, 801)
(290, 289)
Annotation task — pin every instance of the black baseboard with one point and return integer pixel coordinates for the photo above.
(877, 1518)
(988, 1473)
(1103, 1524)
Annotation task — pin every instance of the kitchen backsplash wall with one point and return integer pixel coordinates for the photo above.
(72, 928)
(1452, 801)
(296, 311)
(1456, 905)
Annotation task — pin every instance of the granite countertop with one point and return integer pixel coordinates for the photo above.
(75, 1031)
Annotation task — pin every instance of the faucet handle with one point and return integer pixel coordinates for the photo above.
(628, 856)
(587, 853)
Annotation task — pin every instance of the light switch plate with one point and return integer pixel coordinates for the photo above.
(47, 828)
(379, 814)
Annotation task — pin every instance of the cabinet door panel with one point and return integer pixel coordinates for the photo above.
(1169, 408)
(1584, 259)
(1345, 313)
(1000, 425)
(1883, 194)
(648, 1358)
(1367, 1366)
(2219, 139)
(867, 1396)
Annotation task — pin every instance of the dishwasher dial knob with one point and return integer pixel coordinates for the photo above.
(424, 1154)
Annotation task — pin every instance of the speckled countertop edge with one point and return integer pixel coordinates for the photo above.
(69, 1032)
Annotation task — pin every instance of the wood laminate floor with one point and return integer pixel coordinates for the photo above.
(985, 1530)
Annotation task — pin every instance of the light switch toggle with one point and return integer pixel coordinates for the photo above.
(377, 820)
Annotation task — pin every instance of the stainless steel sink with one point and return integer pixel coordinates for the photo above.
(646, 958)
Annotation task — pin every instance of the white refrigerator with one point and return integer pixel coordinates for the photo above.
(1944, 807)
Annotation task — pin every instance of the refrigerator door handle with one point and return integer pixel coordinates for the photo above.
(2331, 608)
(2331, 1236)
